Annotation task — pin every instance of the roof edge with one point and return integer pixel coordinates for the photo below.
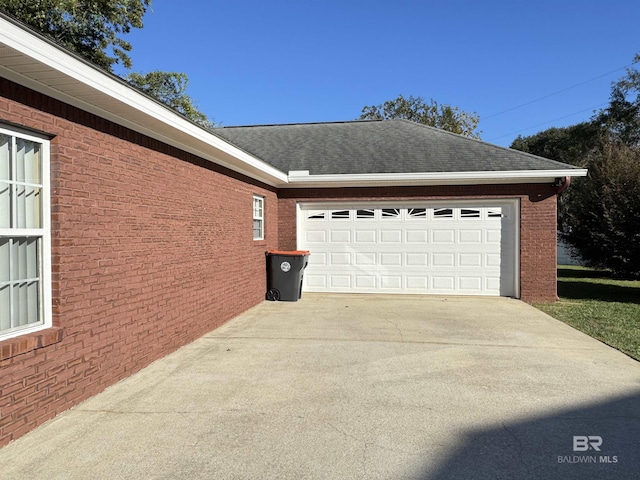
(300, 179)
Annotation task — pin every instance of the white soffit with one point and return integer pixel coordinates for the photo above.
(32, 61)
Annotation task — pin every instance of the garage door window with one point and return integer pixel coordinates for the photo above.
(390, 213)
(340, 214)
(366, 213)
(443, 213)
(417, 213)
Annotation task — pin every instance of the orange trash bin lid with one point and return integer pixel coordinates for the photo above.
(288, 252)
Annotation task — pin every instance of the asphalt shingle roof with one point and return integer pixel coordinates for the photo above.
(378, 146)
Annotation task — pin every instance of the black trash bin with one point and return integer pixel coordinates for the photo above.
(285, 270)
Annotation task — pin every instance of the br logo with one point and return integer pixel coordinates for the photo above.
(582, 443)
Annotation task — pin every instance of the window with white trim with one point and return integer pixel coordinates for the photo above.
(258, 217)
(25, 245)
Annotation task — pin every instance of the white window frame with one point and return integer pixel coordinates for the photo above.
(258, 216)
(43, 233)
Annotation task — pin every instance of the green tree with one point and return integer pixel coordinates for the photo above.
(601, 218)
(90, 28)
(622, 117)
(598, 216)
(171, 89)
(568, 144)
(416, 109)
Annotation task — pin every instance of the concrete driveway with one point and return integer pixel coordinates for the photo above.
(359, 387)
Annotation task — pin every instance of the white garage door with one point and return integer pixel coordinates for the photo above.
(443, 248)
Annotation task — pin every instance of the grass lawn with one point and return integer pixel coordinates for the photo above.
(606, 309)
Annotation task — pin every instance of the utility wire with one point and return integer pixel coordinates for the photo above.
(547, 122)
(554, 93)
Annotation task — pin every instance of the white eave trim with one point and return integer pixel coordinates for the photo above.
(300, 179)
(163, 124)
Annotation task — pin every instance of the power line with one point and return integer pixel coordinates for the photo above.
(547, 122)
(554, 93)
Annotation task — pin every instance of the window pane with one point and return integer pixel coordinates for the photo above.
(257, 229)
(28, 207)
(25, 259)
(5, 157)
(443, 213)
(417, 213)
(5, 307)
(257, 207)
(5, 205)
(25, 304)
(365, 213)
(4, 259)
(27, 161)
(390, 212)
(340, 214)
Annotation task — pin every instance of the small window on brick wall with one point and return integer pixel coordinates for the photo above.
(25, 252)
(258, 217)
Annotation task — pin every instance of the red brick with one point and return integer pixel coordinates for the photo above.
(148, 253)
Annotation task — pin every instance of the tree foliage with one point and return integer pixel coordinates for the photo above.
(416, 109)
(598, 216)
(90, 28)
(171, 89)
(622, 117)
(601, 220)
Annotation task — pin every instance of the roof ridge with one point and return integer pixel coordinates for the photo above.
(293, 124)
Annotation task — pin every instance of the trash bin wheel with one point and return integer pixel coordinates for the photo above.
(273, 295)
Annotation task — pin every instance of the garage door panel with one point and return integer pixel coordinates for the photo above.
(315, 281)
(318, 259)
(417, 259)
(493, 260)
(340, 281)
(470, 236)
(340, 236)
(470, 284)
(340, 259)
(316, 236)
(443, 284)
(391, 282)
(443, 260)
(365, 236)
(366, 281)
(423, 249)
(391, 259)
(470, 260)
(390, 236)
(365, 259)
(417, 236)
(443, 236)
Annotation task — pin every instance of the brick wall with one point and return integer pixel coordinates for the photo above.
(537, 222)
(151, 248)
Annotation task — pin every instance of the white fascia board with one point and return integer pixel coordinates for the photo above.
(178, 131)
(435, 178)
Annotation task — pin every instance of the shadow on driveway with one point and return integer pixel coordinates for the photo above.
(544, 447)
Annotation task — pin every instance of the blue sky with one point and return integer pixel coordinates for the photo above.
(264, 62)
